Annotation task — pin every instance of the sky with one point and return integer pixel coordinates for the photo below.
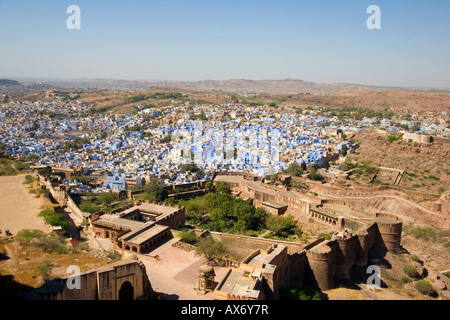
(324, 41)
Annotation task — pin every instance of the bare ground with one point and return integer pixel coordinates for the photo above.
(19, 209)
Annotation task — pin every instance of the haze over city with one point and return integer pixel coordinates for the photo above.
(225, 150)
(319, 41)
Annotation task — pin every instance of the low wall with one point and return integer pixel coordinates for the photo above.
(63, 198)
(241, 246)
(80, 215)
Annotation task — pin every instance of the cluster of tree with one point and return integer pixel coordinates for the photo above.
(191, 167)
(93, 111)
(314, 175)
(32, 157)
(220, 211)
(54, 218)
(167, 138)
(271, 178)
(155, 191)
(134, 128)
(225, 213)
(201, 116)
(357, 113)
(76, 143)
(155, 96)
(184, 189)
(282, 227)
(83, 179)
(95, 203)
(294, 169)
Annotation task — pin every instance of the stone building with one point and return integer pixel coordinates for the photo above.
(124, 280)
(206, 276)
(258, 276)
(140, 227)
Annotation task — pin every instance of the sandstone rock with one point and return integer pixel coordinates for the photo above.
(440, 285)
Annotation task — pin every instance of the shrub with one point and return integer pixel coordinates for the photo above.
(55, 218)
(425, 287)
(294, 169)
(209, 248)
(29, 179)
(52, 243)
(300, 293)
(424, 233)
(391, 139)
(327, 236)
(188, 236)
(89, 207)
(28, 235)
(406, 279)
(46, 271)
(411, 271)
(415, 258)
(113, 255)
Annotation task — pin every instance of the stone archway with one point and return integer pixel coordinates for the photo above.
(126, 292)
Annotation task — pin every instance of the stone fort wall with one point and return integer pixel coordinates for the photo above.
(321, 261)
(122, 280)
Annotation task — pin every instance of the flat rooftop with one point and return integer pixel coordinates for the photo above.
(147, 234)
(237, 277)
(120, 222)
(274, 204)
(156, 209)
(257, 186)
(265, 258)
(229, 178)
(244, 291)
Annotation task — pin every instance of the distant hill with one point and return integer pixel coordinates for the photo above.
(9, 83)
(287, 86)
(311, 90)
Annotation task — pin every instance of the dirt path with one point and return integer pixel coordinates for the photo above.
(19, 208)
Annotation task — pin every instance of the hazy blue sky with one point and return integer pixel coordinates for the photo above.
(314, 40)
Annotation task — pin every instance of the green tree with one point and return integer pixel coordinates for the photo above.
(248, 218)
(210, 249)
(45, 172)
(282, 226)
(188, 236)
(313, 174)
(89, 207)
(54, 218)
(32, 157)
(156, 191)
(294, 169)
(416, 127)
(300, 293)
(223, 187)
(195, 210)
(107, 198)
(84, 180)
(209, 185)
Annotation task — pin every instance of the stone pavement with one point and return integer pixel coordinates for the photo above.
(175, 272)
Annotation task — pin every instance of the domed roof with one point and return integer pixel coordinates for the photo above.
(206, 270)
